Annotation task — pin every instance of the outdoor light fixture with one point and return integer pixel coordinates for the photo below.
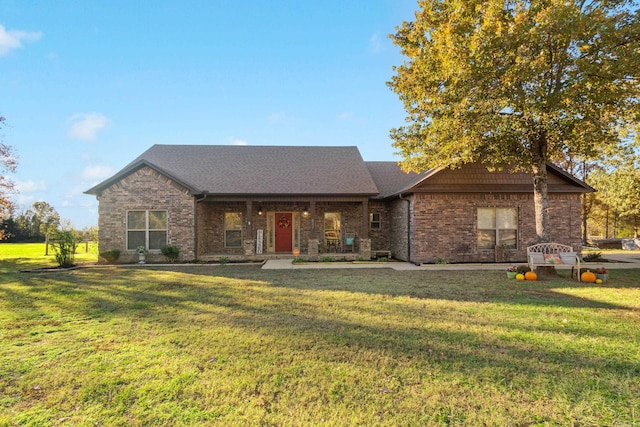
(305, 212)
(260, 210)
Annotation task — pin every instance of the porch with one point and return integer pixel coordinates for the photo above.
(246, 229)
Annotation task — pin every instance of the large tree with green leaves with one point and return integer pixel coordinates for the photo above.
(516, 83)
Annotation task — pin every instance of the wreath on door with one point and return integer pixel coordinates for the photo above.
(284, 222)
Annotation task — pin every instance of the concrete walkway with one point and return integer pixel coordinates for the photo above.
(620, 261)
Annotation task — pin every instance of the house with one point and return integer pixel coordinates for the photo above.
(254, 202)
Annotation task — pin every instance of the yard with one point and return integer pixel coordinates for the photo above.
(236, 345)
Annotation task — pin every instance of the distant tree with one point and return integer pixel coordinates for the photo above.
(8, 163)
(45, 219)
(516, 83)
(619, 191)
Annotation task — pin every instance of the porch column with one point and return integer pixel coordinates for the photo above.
(249, 243)
(364, 229)
(312, 249)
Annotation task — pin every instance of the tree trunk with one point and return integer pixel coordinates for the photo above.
(541, 199)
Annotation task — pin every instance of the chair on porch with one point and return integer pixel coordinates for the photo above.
(349, 242)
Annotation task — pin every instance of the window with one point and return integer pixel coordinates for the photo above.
(146, 228)
(374, 221)
(232, 230)
(331, 229)
(497, 226)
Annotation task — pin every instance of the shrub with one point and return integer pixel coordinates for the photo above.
(592, 257)
(64, 246)
(111, 256)
(170, 252)
(523, 268)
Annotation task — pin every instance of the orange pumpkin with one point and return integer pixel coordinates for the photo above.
(588, 277)
(530, 275)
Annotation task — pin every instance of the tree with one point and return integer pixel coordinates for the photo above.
(619, 190)
(8, 163)
(515, 83)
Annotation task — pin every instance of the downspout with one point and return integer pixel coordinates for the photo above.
(408, 229)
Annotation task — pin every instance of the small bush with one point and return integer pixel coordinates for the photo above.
(326, 259)
(111, 256)
(64, 246)
(223, 260)
(592, 257)
(382, 259)
(522, 268)
(170, 252)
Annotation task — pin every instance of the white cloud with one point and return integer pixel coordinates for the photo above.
(85, 126)
(13, 39)
(97, 172)
(30, 186)
(235, 141)
(376, 45)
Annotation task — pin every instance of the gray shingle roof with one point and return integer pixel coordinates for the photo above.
(391, 179)
(269, 170)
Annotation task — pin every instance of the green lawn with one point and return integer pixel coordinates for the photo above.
(235, 345)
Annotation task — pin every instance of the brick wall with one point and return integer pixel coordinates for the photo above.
(444, 225)
(146, 189)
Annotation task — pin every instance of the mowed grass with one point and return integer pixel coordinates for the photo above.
(236, 345)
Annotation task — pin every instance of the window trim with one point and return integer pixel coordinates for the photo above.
(146, 229)
(496, 230)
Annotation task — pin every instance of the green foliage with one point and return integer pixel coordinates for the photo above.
(327, 259)
(64, 246)
(382, 259)
(523, 268)
(111, 256)
(592, 257)
(442, 261)
(170, 252)
(223, 260)
(516, 84)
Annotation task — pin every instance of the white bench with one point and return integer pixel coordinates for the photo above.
(553, 255)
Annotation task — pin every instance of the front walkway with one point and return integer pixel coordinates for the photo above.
(623, 261)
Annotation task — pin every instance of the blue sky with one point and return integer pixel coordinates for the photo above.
(88, 86)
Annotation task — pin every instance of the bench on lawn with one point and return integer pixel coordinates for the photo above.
(553, 255)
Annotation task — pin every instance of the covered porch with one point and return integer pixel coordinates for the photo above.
(258, 228)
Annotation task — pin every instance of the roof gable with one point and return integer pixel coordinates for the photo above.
(474, 178)
(267, 170)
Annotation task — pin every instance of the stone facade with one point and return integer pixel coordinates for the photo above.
(146, 189)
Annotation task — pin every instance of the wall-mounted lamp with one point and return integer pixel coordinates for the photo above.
(305, 212)
(260, 210)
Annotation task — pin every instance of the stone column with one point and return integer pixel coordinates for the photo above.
(313, 249)
(365, 248)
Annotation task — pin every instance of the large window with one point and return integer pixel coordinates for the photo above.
(146, 228)
(232, 230)
(497, 226)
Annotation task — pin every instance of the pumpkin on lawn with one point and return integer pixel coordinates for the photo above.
(588, 277)
(519, 276)
(530, 275)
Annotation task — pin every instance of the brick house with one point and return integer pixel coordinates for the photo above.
(254, 202)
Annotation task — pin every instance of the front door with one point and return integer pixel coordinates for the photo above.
(283, 231)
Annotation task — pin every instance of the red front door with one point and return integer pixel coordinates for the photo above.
(284, 225)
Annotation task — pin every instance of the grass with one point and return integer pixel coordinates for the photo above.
(236, 345)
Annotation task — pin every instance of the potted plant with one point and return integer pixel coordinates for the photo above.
(142, 253)
(602, 273)
(512, 270)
